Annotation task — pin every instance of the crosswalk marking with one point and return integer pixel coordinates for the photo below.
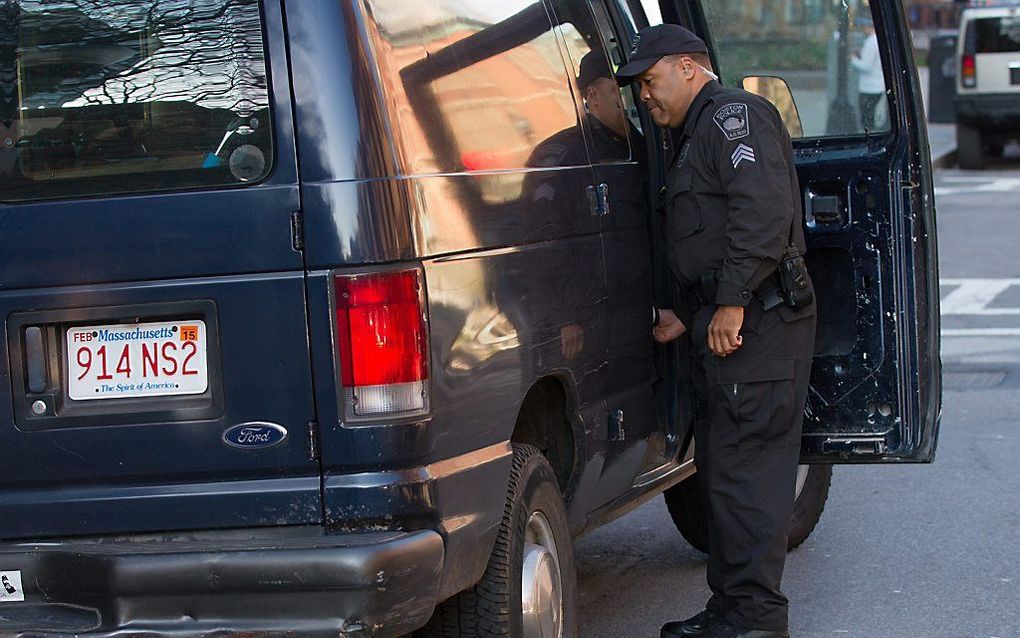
(971, 185)
(981, 332)
(973, 296)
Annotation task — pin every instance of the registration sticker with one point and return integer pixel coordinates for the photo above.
(10, 587)
(137, 360)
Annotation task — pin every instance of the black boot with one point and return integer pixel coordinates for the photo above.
(696, 625)
(726, 630)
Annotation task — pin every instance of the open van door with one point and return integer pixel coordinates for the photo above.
(842, 74)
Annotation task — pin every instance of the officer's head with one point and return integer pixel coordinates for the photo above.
(600, 92)
(670, 65)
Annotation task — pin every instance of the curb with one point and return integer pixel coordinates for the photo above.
(945, 160)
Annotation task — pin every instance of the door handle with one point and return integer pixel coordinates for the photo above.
(824, 212)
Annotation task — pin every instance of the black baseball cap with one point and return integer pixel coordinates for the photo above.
(652, 43)
(593, 66)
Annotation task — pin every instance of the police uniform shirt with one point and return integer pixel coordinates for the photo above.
(732, 194)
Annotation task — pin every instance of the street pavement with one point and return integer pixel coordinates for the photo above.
(927, 551)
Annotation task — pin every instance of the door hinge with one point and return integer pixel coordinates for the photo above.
(297, 233)
(616, 431)
(598, 199)
(313, 440)
(604, 199)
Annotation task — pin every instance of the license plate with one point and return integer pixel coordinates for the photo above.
(137, 360)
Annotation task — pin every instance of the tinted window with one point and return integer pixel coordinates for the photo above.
(131, 95)
(605, 106)
(827, 52)
(472, 86)
(996, 35)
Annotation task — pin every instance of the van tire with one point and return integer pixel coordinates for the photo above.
(493, 607)
(687, 508)
(970, 147)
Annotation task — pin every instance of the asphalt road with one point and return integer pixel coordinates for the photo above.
(900, 552)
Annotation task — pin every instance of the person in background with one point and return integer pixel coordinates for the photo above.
(870, 79)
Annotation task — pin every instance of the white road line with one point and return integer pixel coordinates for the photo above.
(981, 332)
(1002, 185)
(973, 296)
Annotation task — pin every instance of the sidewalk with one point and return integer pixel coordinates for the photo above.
(941, 137)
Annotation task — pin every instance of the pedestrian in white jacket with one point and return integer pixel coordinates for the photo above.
(871, 81)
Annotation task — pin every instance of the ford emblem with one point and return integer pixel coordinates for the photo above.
(255, 435)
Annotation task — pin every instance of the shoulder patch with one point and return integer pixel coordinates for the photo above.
(732, 121)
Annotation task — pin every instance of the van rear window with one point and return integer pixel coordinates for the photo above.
(995, 35)
(127, 95)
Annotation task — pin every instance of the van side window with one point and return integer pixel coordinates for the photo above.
(827, 52)
(471, 86)
(120, 96)
(604, 104)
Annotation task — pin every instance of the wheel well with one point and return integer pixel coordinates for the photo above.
(543, 421)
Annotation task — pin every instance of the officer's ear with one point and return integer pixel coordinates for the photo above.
(687, 67)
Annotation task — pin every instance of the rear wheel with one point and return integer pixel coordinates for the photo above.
(970, 147)
(686, 506)
(529, 588)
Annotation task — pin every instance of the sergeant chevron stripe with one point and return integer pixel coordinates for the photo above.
(743, 152)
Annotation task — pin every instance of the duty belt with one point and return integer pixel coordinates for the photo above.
(768, 293)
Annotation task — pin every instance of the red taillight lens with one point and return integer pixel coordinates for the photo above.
(381, 342)
(968, 71)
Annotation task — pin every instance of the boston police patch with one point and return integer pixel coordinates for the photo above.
(732, 120)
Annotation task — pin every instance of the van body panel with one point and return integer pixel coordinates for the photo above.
(224, 255)
(143, 464)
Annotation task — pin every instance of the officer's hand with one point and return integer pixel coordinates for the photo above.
(724, 330)
(670, 327)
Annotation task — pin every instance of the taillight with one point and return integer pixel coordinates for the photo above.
(968, 72)
(382, 345)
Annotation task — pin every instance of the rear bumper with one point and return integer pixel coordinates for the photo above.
(347, 586)
(989, 111)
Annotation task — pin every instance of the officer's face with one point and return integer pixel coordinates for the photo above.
(668, 88)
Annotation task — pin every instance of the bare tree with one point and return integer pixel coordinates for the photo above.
(207, 52)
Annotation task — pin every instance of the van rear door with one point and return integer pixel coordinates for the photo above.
(156, 366)
(848, 90)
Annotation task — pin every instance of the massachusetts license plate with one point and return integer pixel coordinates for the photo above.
(137, 360)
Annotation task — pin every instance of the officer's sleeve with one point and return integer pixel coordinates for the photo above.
(749, 149)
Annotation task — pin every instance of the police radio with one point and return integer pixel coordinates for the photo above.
(793, 280)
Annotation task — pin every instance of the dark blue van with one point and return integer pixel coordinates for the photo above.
(332, 317)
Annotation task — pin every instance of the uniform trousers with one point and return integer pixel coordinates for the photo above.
(747, 449)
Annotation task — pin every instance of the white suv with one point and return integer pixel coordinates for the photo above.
(988, 81)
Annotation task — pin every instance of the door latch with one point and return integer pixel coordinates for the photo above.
(824, 212)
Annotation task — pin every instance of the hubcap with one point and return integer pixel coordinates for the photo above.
(541, 590)
(802, 473)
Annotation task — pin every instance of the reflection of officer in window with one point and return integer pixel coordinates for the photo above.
(606, 121)
(733, 206)
(606, 118)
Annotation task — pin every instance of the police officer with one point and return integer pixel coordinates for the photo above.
(733, 206)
